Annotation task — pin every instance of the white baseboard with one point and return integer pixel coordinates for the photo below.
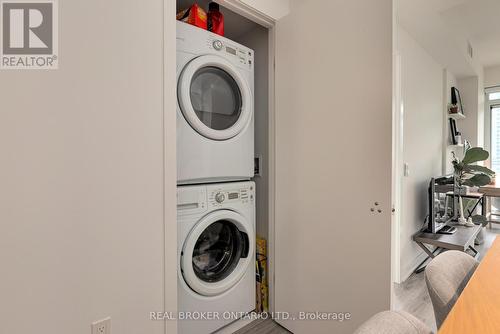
(410, 267)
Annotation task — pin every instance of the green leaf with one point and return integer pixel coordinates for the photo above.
(475, 154)
(477, 180)
(479, 169)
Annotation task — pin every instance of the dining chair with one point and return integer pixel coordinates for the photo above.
(446, 276)
(393, 322)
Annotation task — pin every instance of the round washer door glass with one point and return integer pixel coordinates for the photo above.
(217, 251)
(216, 98)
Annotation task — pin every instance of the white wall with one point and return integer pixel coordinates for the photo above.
(492, 76)
(422, 94)
(81, 199)
(170, 162)
(275, 9)
(471, 91)
(481, 117)
(449, 81)
(473, 126)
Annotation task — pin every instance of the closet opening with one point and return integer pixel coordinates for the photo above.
(252, 43)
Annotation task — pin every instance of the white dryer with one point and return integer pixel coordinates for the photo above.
(215, 123)
(216, 238)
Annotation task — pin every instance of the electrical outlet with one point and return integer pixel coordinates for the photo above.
(102, 326)
(257, 165)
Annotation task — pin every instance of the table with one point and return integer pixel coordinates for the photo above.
(462, 240)
(477, 310)
(491, 190)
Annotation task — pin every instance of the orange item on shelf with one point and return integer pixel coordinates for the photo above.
(194, 15)
(215, 19)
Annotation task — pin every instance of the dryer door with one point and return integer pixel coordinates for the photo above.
(217, 252)
(214, 97)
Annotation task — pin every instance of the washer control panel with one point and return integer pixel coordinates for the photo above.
(191, 200)
(219, 196)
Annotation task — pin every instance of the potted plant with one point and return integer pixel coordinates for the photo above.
(468, 174)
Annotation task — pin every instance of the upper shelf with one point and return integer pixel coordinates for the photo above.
(456, 116)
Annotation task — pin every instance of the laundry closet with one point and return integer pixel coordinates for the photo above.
(222, 166)
(271, 143)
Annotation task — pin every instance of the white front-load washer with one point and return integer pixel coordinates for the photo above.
(215, 110)
(216, 260)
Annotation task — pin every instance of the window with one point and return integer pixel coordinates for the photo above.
(493, 116)
(492, 134)
(495, 138)
(494, 96)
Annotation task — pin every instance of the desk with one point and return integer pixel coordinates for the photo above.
(462, 240)
(491, 190)
(477, 310)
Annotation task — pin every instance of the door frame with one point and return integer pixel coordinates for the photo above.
(169, 165)
(170, 154)
(397, 159)
(397, 175)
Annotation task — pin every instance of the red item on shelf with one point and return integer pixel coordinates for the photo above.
(194, 15)
(215, 19)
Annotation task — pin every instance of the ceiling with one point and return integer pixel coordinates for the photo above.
(445, 27)
(479, 21)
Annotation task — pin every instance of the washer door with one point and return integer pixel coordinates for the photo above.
(214, 97)
(217, 252)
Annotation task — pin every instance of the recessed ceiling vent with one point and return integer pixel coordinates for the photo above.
(470, 50)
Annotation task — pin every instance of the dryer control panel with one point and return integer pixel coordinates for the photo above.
(218, 196)
(197, 41)
(240, 54)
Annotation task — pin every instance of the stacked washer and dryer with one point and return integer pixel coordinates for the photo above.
(215, 163)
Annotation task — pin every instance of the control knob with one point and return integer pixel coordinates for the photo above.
(217, 45)
(220, 197)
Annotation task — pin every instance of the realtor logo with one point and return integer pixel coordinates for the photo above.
(29, 34)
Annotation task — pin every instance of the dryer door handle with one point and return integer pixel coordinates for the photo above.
(245, 245)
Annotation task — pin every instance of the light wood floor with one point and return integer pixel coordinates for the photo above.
(412, 296)
(261, 326)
